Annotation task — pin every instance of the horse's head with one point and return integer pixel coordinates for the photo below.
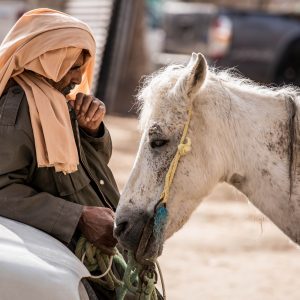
(166, 98)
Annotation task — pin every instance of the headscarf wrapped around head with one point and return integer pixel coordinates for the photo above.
(47, 42)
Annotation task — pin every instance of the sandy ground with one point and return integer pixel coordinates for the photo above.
(227, 250)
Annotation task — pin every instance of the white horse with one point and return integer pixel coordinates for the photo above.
(241, 133)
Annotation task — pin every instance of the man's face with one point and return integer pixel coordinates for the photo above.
(71, 79)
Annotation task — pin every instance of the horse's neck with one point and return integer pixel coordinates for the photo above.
(260, 129)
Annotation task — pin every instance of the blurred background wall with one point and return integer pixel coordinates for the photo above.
(260, 38)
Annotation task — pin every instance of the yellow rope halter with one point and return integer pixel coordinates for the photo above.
(183, 148)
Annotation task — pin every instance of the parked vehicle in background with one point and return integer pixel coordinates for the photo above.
(10, 11)
(262, 46)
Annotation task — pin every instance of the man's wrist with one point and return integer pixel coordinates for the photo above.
(91, 132)
(95, 133)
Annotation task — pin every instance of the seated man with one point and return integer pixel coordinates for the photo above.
(54, 147)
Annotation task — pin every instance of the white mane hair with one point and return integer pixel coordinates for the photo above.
(159, 82)
(162, 81)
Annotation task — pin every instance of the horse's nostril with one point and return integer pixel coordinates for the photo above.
(121, 227)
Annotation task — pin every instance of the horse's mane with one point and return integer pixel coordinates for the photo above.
(165, 78)
(232, 78)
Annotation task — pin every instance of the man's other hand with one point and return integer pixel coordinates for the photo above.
(96, 224)
(90, 112)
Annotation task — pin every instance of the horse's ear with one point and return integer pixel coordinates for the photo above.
(194, 75)
(197, 67)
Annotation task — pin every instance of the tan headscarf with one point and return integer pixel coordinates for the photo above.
(48, 42)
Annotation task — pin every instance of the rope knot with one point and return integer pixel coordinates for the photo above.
(185, 148)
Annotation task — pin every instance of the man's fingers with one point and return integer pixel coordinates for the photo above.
(100, 112)
(88, 108)
(92, 110)
(107, 250)
(72, 103)
(78, 101)
(110, 213)
(96, 224)
(106, 241)
(87, 100)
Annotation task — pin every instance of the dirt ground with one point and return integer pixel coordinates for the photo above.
(227, 250)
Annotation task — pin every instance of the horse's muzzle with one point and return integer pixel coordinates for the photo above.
(129, 226)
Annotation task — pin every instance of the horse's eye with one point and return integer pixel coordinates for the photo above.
(158, 143)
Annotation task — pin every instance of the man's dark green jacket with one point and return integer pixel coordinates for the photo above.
(40, 197)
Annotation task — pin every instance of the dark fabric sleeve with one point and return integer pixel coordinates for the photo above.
(102, 143)
(19, 201)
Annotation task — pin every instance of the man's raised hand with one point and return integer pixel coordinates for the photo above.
(90, 112)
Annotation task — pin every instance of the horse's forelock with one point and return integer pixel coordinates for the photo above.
(153, 88)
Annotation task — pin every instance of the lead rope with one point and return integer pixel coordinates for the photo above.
(183, 148)
(95, 260)
(136, 279)
(161, 280)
